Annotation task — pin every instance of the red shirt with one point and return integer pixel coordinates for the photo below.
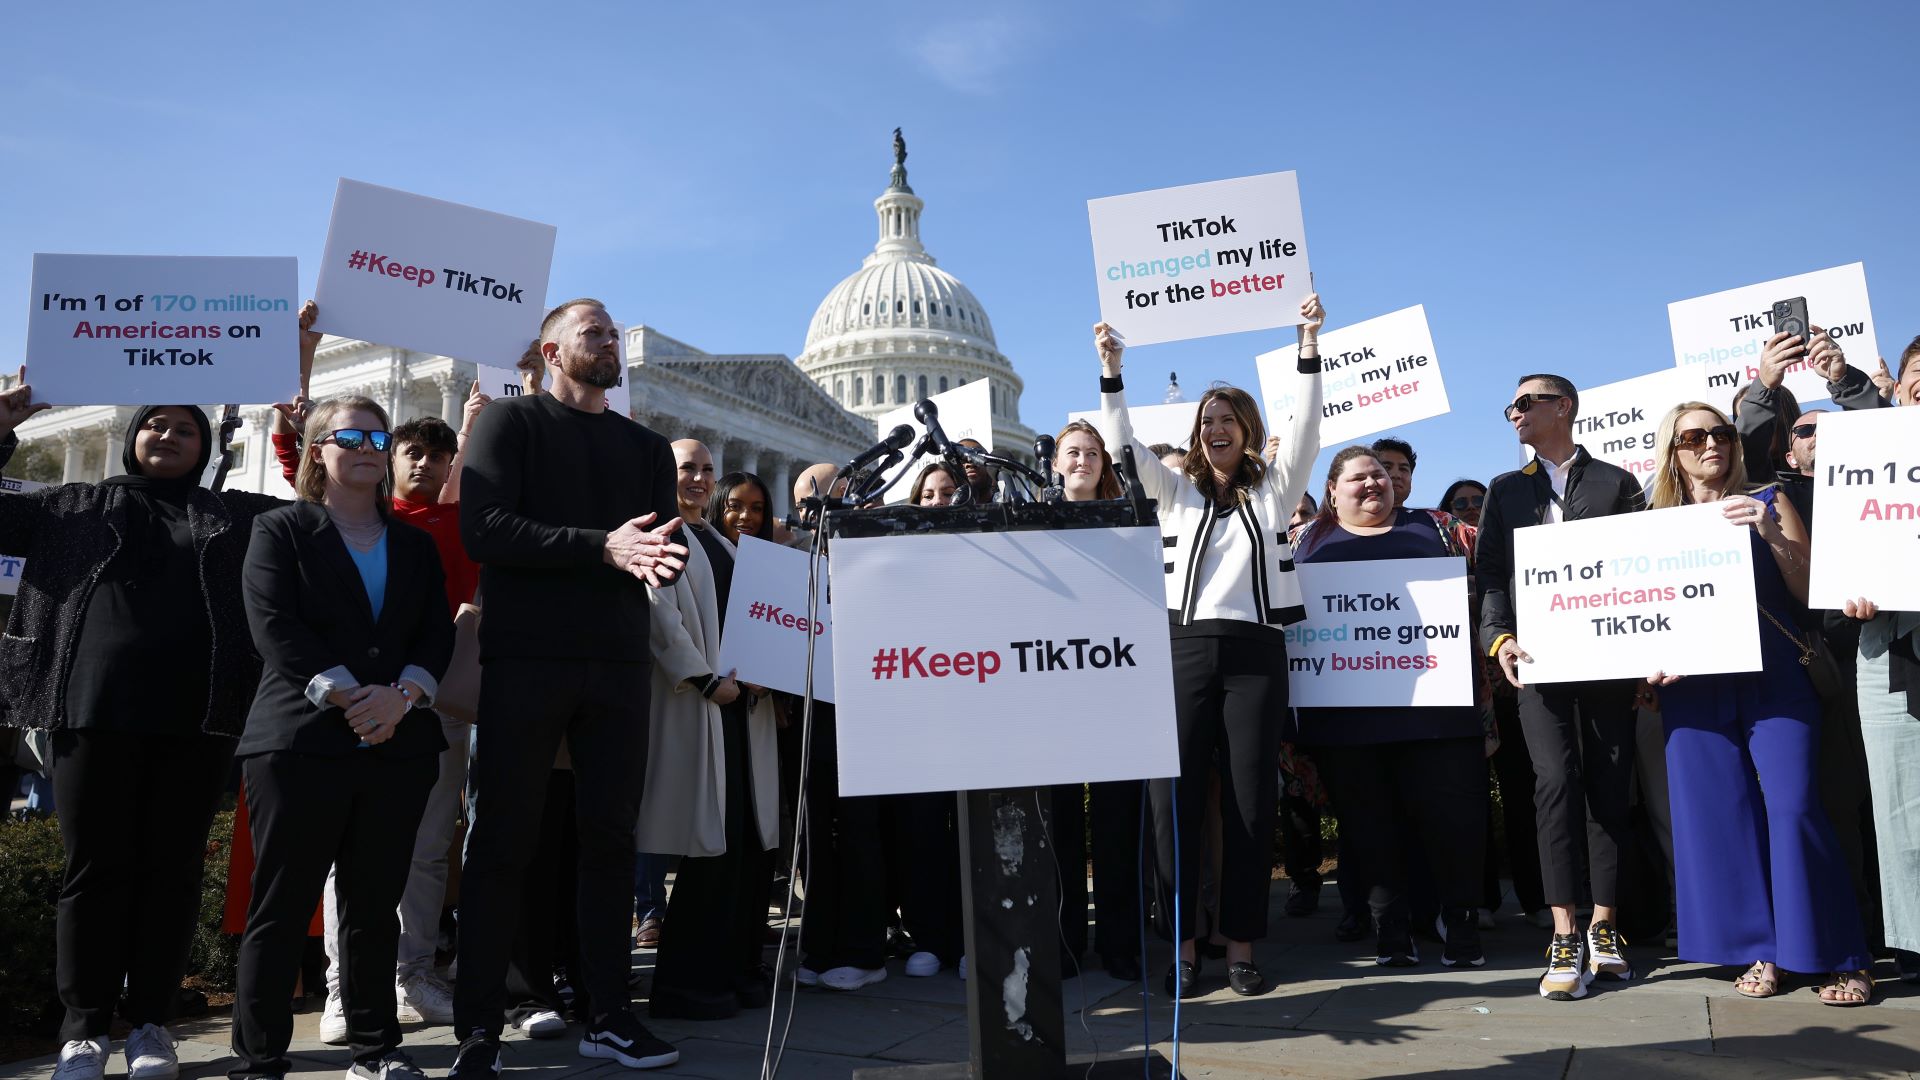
(439, 520)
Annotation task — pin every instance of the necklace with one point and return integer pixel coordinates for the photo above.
(361, 534)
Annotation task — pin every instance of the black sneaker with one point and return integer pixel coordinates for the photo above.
(479, 1058)
(393, 1065)
(1461, 936)
(1353, 926)
(1395, 947)
(1303, 901)
(619, 1036)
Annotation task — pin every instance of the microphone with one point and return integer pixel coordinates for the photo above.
(1043, 451)
(929, 416)
(897, 439)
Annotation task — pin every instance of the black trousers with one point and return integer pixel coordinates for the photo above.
(1513, 768)
(923, 865)
(526, 707)
(1405, 801)
(358, 814)
(134, 810)
(717, 913)
(547, 939)
(1581, 739)
(1230, 700)
(1112, 808)
(845, 920)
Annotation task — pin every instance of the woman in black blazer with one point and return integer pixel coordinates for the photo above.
(349, 614)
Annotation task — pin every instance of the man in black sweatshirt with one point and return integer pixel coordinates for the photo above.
(559, 504)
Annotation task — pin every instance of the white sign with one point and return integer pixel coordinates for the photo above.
(162, 329)
(1199, 260)
(1866, 510)
(435, 276)
(1725, 333)
(1374, 376)
(1044, 659)
(1382, 633)
(767, 626)
(1170, 424)
(12, 567)
(501, 382)
(1619, 423)
(1625, 596)
(966, 412)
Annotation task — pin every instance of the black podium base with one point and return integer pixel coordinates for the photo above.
(1111, 1067)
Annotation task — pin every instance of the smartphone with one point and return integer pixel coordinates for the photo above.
(1790, 317)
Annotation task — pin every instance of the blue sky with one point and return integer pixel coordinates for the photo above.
(1545, 178)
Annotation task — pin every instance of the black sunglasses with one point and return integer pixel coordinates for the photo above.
(1525, 402)
(1695, 438)
(354, 439)
(1469, 502)
(1805, 431)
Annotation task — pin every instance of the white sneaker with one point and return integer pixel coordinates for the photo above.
(394, 1066)
(806, 976)
(333, 1020)
(1606, 952)
(82, 1059)
(425, 997)
(545, 1024)
(922, 964)
(150, 1053)
(851, 978)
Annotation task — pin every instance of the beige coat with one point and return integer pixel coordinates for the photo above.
(683, 806)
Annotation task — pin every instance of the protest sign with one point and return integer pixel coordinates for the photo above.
(1375, 376)
(1043, 659)
(406, 270)
(966, 412)
(13, 566)
(1199, 260)
(1625, 596)
(1726, 332)
(1381, 633)
(1170, 424)
(1619, 422)
(161, 329)
(767, 627)
(499, 382)
(1866, 510)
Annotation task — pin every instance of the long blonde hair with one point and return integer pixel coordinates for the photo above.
(1669, 487)
(310, 481)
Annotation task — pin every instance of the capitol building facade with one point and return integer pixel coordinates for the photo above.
(897, 330)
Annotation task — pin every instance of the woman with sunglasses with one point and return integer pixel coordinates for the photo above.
(1757, 870)
(349, 611)
(125, 642)
(1230, 590)
(1464, 500)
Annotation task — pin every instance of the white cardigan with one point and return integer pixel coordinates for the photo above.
(683, 805)
(1230, 564)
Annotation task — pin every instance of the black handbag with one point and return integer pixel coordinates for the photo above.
(1819, 663)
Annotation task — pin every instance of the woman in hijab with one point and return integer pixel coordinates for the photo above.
(129, 642)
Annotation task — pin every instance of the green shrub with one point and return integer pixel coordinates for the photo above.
(32, 865)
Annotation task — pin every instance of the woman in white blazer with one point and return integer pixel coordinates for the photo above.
(1230, 589)
(712, 795)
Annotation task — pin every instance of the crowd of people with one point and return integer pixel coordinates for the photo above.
(516, 625)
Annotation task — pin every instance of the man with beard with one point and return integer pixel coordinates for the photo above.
(562, 506)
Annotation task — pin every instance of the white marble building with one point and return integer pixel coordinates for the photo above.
(899, 326)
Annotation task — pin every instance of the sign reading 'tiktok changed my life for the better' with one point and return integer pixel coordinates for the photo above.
(1199, 260)
(157, 329)
(1374, 375)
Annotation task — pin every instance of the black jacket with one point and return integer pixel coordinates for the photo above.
(309, 612)
(1520, 498)
(68, 534)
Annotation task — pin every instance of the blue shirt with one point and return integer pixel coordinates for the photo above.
(373, 572)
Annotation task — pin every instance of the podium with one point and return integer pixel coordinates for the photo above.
(1010, 895)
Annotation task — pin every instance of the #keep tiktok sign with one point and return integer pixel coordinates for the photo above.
(1200, 260)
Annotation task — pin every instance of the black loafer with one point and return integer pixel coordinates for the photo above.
(1245, 979)
(1124, 968)
(1186, 976)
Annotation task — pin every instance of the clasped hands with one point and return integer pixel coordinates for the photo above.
(648, 554)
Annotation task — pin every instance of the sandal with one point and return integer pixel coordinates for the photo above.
(1756, 983)
(1851, 989)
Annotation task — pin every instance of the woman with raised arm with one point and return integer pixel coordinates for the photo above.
(1758, 872)
(1230, 589)
(126, 641)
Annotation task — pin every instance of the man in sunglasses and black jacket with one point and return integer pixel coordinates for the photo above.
(1581, 735)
